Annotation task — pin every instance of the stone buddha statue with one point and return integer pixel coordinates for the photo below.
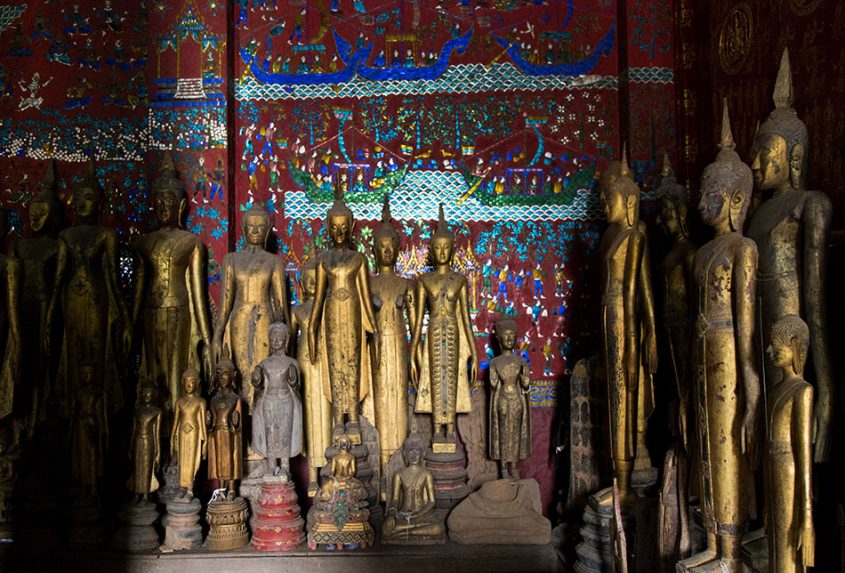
(791, 228)
(728, 386)
(439, 365)
(343, 313)
(171, 290)
(253, 297)
(392, 300)
(628, 325)
(85, 292)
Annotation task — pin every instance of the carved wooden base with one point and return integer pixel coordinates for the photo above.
(136, 532)
(278, 525)
(357, 535)
(227, 524)
(182, 529)
(450, 478)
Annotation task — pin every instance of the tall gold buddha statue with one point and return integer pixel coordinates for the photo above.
(85, 292)
(791, 228)
(316, 415)
(171, 289)
(38, 255)
(628, 327)
(392, 299)
(728, 386)
(439, 364)
(253, 297)
(10, 329)
(343, 313)
(789, 465)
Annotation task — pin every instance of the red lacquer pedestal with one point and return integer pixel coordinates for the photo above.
(278, 525)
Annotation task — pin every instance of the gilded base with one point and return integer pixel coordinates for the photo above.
(443, 448)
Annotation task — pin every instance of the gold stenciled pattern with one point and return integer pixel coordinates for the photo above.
(735, 37)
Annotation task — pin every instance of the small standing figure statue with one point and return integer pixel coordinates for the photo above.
(89, 432)
(789, 472)
(410, 512)
(277, 416)
(510, 417)
(188, 438)
(225, 455)
(145, 450)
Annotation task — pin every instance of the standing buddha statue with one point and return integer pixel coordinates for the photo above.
(627, 315)
(392, 299)
(728, 386)
(145, 448)
(791, 229)
(224, 419)
(343, 313)
(439, 365)
(189, 438)
(171, 289)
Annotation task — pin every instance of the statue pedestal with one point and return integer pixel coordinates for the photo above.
(136, 533)
(450, 477)
(277, 525)
(86, 529)
(182, 529)
(363, 473)
(227, 524)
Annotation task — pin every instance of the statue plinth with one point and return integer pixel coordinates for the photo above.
(136, 533)
(86, 529)
(278, 525)
(182, 529)
(227, 524)
(450, 477)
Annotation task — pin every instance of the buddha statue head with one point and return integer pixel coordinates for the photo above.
(619, 193)
(190, 380)
(255, 226)
(788, 343)
(386, 239)
(88, 196)
(779, 155)
(413, 449)
(442, 242)
(506, 334)
(308, 279)
(168, 194)
(278, 336)
(45, 208)
(146, 394)
(726, 184)
(340, 222)
(674, 200)
(225, 370)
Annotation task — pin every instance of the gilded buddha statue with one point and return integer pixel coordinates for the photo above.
(253, 297)
(145, 445)
(628, 325)
(343, 313)
(317, 425)
(188, 437)
(439, 364)
(85, 293)
(171, 289)
(791, 228)
(224, 419)
(392, 299)
(789, 463)
(728, 386)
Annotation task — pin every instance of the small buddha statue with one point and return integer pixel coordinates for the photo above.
(188, 437)
(392, 299)
(316, 413)
(89, 432)
(410, 517)
(439, 365)
(789, 466)
(277, 417)
(628, 324)
(510, 416)
(253, 297)
(224, 420)
(728, 386)
(171, 289)
(145, 449)
(343, 314)
(791, 228)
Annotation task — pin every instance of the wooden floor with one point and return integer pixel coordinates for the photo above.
(449, 558)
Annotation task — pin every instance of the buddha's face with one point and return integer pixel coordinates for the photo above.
(146, 395)
(770, 163)
(386, 251)
(669, 217)
(255, 230)
(224, 377)
(85, 202)
(309, 282)
(86, 374)
(779, 353)
(166, 206)
(714, 204)
(507, 339)
(442, 249)
(278, 339)
(190, 384)
(39, 214)
(613, 201)
(340, 229)
(413, 456)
